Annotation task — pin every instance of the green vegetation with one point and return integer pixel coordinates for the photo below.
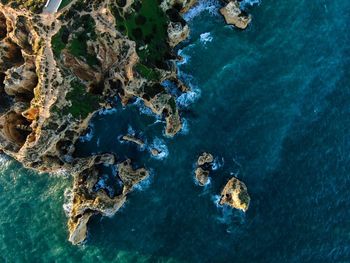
(148, 73)
(78, 46)
(147, 26)
(64, 3)
(82, 101)
(59, 41)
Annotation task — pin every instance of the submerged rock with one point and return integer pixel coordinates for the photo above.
(235, 194)
(235, 16)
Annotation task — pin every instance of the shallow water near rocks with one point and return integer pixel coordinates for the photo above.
(274, 109)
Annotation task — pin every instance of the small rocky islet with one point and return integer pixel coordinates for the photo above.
(58, 69)
(234, 194)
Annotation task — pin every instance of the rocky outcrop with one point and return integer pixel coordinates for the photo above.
(21, 81)
(57, 70)
(204, 166)
(92, 196)
(235, 195)
(180, 5)
(234, 15)
(133, 139)
(177, 33)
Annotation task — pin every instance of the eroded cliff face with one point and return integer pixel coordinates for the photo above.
(57, 70)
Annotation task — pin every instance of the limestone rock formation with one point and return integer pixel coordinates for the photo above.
(92, 195)
(235, 194)
(205, 158)
(204, 166)
(177, 33)
(234, 15)
(57, 70)
(133, 139)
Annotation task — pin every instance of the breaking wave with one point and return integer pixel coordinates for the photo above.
(210, 6)
(160, 146)
(88, 136)
(206, 37)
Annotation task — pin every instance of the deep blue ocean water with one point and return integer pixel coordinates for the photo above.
(272, 103)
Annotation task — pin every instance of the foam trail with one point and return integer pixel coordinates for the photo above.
(216, 200)
(217, 164)
(185, 127)
(188, 98)
(131, 130)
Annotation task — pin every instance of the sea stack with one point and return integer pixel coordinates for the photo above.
(235, 194)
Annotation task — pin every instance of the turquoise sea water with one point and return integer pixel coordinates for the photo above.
(272, 103)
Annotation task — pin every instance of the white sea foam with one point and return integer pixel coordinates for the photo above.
(206, 185)
(68, 201)
(185, 127)
(61, 173)
(88, 136)
(216, 200)
(159, 145)
(4, 162)
(144, 109)
(145, 184)
(218, 163)
(107, 111)
(131, 130)
(210, 6)
(188, 98)
(206, 37)
(185, 57)
(245, 3)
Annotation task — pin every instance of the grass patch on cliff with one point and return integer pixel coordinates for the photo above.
(147, 26)
(59, 41)
(85, 27)
(146, 72)
(64, 3)
(82, 102)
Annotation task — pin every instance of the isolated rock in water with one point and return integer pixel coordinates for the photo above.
(202, 176)
(155, 152)
(204, 166)
(205, 158)
(235, 16)
(131, 138)
(235, 194)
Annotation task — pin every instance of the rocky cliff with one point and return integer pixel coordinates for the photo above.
(57, 70)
